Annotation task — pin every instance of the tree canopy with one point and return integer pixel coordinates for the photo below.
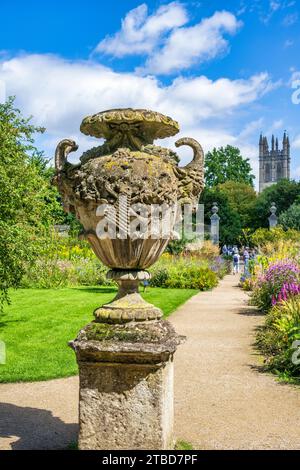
(227, 163)
(284, 194)
(230, 220)
(290, 219)
(23, 212)
(241, 198)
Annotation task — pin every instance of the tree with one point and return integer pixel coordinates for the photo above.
(23, 192)
(230, 221)
(241, 197)
(291, 217)
(263, 236)
(284, 194)
(53, 201)
(227, 164)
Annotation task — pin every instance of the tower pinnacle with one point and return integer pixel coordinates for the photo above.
(275, 164)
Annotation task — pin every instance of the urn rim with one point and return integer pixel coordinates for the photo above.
(152, 124)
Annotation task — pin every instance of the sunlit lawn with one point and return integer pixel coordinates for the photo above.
(38, 324)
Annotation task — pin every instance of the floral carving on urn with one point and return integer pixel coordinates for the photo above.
(127, 165)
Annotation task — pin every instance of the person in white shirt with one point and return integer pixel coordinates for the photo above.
(236, 262)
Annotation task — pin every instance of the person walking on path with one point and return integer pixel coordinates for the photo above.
(236, 261)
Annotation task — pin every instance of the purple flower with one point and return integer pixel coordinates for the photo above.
(287, 291)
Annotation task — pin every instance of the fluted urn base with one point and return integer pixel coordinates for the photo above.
(128, 305)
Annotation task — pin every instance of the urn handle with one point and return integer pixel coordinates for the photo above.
(62, 151)
(198, 161)
(191, 176)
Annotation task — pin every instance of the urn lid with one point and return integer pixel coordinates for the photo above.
(143, 124)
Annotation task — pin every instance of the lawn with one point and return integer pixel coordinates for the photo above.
(38, 324)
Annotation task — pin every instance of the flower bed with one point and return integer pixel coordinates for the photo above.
(67, 262)
(269, 286)
(279, 337)
(274, 286)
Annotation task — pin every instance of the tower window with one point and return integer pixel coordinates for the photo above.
(279, 171)
(267, 172)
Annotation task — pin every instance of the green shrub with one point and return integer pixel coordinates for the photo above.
(47, 274)
(67, 261)
(64, 261)
(261, 296)
(290, 219)
(54, 273)
(183, 273)
(192, 277)
(262, 236)
(159, 277)
(90, 272)
(276, 338)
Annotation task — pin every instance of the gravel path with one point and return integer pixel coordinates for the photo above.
(222, 401)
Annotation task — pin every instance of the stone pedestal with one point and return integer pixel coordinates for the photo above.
(126, 385)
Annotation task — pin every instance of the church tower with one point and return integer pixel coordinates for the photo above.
(274, 164)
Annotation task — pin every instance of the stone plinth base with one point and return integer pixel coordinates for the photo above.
(126, 385)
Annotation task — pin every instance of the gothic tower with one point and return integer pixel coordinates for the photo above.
(274, 164)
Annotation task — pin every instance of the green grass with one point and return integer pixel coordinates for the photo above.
(180, 445)
(38, 324)
(183, 445)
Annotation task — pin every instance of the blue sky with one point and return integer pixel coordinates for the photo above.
(224, 70)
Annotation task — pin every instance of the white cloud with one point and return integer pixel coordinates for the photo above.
(202, 98)
(274, 5)
(251, 128)
(188, 45)
(288, 43)
(68, 90)
(218, 137)
(278, 124)
(265, 11)
(59, 93)
(296, 142)
(169, 45)
(290, 19)
(140, 33)
(3, 95)
(296, 172)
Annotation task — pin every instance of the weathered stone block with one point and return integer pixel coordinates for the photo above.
(126, 386)
(126, 406)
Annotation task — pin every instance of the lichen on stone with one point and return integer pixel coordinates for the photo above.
(151, 332)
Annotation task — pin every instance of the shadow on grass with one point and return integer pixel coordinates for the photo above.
(97, 290)
(33, 428)
(6, 322)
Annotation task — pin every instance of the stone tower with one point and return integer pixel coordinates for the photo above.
(274, 164)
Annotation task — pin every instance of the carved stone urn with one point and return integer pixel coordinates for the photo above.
(127, 165)
(125, 355)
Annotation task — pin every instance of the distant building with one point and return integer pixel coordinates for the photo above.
(274, 164)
